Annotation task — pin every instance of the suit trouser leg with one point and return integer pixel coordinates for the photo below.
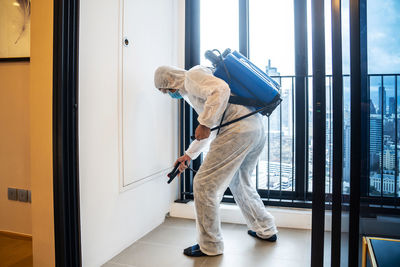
(246, 196)
(226, 155)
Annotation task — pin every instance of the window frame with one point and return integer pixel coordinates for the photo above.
(299, 197)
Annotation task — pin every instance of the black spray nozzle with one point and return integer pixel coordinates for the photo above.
(175, 172)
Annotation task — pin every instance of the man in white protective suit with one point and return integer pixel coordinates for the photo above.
(232, 156)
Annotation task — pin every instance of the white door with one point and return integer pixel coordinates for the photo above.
(149, 118)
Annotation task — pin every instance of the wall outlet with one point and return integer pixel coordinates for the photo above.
(12, 193)
(22, 195)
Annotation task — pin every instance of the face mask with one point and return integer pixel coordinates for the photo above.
(176, 94)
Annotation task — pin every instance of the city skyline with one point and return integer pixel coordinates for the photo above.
(274, 53)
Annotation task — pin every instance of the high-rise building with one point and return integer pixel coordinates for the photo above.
(392, 105)
(388, 159)
(372, 109)
(287, 112)
(271, 71)
(346, 153)
(328, 144)
(375, 140)
(382, 100)
(375, 129)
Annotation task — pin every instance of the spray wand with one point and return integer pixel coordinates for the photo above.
(175, 172)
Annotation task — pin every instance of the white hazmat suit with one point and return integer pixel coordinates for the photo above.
(231, 159)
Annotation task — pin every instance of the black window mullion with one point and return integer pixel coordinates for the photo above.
(192, 58)
(396, 168)
(365, 98)
(188, 173)
(293, 135)
(182, 140)
(357, 71)
(186, 176)
(301, 71)
(268, 158)
(307, 159)
(280, 145)
(365, 185)
(337, 110)
(383, 110)
(319, 130)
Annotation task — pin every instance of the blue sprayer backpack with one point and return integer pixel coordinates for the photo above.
(249, 85)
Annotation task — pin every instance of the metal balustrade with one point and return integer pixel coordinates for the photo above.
(275, 177)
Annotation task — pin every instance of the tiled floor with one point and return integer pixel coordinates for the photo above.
(163, 247)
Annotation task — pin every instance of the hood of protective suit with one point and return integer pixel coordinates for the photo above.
(168, 77)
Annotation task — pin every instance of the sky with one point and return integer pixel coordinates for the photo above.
(272, 33)
(383, 36)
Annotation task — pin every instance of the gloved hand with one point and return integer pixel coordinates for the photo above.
(202, 132)
(182, 165)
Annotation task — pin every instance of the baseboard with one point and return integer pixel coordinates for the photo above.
(15, 234)
(294, 218)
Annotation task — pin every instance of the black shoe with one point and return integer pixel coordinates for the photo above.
(194, 251)
(270, 239)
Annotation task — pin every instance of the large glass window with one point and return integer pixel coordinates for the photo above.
(272, 49)
(219, 26)
(271, 38)
(271, 33)
(383, 37)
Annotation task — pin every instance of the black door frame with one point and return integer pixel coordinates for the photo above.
(65, 134)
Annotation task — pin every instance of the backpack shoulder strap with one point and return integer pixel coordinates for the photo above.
(238, 100)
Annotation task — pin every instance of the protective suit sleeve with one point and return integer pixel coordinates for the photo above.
(216, 93)
(215, 105)
(196, 147)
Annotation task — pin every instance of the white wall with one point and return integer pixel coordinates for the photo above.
(111, 220)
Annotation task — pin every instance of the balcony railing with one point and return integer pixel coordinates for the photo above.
(275, 177)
